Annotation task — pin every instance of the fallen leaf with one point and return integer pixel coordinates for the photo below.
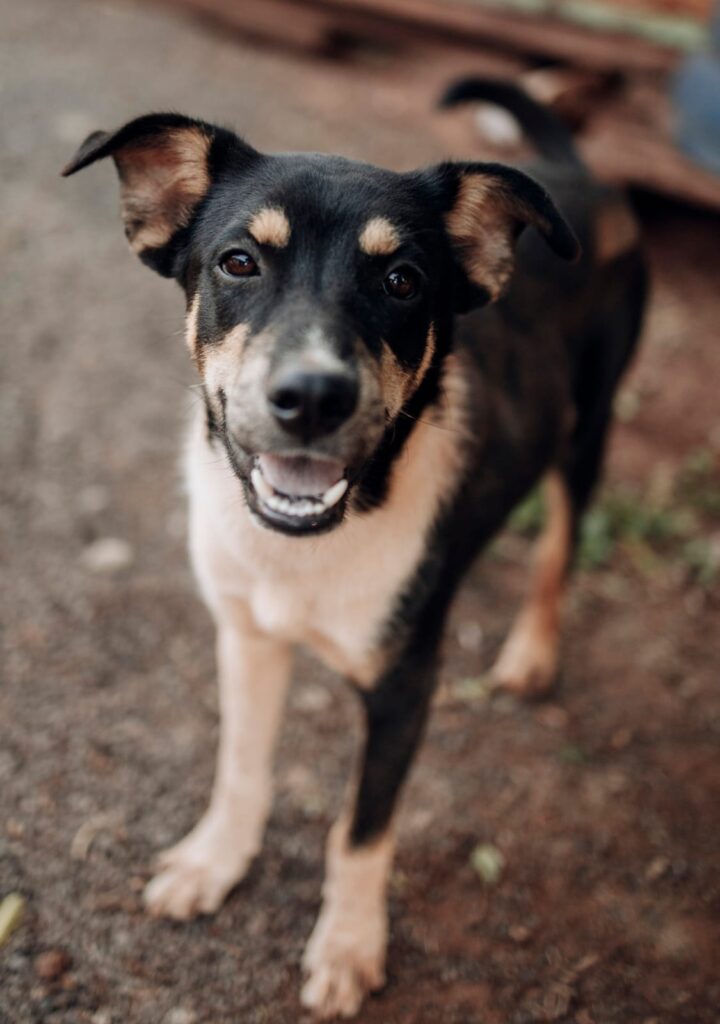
(11, 912)
(488, 862)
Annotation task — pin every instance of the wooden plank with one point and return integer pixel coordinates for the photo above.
(527, 34)
(312, 23)
(622, 151)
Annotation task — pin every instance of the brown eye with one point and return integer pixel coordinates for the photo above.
(239, 264)
(402, 283)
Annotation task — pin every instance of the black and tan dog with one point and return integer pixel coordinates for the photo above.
(389, 363)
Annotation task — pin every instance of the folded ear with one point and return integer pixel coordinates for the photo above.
(489, 206)
(166, 164)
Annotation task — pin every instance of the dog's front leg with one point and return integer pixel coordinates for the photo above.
(345, 957)
(198, 873)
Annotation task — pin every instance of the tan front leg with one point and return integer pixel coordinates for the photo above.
(528, 660)
(345, 957)
(198, 873)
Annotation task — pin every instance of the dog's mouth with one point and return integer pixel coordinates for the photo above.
(298, 493)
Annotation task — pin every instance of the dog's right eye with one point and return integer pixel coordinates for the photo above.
(239, 264)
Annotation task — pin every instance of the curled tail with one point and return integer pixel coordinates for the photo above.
(546, 131)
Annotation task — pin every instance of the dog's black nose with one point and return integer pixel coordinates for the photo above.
(312, 403)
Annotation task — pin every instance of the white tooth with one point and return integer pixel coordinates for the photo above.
(274, 502)
(262, 487)
(333, 494)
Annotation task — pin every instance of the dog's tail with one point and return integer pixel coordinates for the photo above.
(550, 136)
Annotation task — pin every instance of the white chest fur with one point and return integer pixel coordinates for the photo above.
(332, 593)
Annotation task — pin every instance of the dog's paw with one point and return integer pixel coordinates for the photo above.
(344, 962)
(198, 873)
(528, 662)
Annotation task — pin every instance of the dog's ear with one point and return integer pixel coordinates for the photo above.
(485, 208)
(166, 164)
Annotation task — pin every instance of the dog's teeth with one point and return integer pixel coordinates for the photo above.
(333, 494)
(262, 487)
(299, 508)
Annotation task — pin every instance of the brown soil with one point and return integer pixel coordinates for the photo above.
(603, 799)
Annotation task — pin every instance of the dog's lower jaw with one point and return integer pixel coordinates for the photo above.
(345, 956)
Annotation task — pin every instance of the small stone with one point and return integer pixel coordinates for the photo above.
(657, 867)
(180, 1015)
(470, 636)
(14, 828)
(51, 964)
(621, 738)
(94, 499)
(313, 698)
(584, 1017)
(585, 963)
(552, 716)
(101, 1017)
(519, 933)
(108, 555)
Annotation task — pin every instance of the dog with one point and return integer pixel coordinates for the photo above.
(389, 363)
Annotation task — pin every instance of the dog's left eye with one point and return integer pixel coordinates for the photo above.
(239, 264)
(402, 283)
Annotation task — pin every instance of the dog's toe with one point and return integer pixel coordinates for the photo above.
(528, 662)
(343, 964)
(333, 991)
(196, 875)
(183, 891)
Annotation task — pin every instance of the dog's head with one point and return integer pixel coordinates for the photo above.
(320, 295)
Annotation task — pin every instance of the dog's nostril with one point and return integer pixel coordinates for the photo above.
(312, 404)
(286, 400)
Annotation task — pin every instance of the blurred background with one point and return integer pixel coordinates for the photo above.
(558, 861)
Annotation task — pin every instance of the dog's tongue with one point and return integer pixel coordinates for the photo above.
(300, 476)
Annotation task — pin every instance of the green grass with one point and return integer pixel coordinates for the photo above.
(668, 524)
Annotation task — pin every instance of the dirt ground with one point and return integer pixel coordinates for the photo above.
(603, 799)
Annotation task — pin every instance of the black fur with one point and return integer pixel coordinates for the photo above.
(555, 344)
(559, 340)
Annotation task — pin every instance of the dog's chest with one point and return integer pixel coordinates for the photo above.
(333, 593)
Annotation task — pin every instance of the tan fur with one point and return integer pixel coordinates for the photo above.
(162, 181)
(528, 660)
(253, 673)
(221, 362)
(270, 226)
(397, 383)
(428, 354)
(379, 237)
(345, 957)
(191, 324)
(616, 231)
(482, 225)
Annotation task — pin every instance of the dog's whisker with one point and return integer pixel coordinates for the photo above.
(432, 423)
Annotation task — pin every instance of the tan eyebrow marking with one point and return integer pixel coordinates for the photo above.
(379, 237)
(270, 226)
